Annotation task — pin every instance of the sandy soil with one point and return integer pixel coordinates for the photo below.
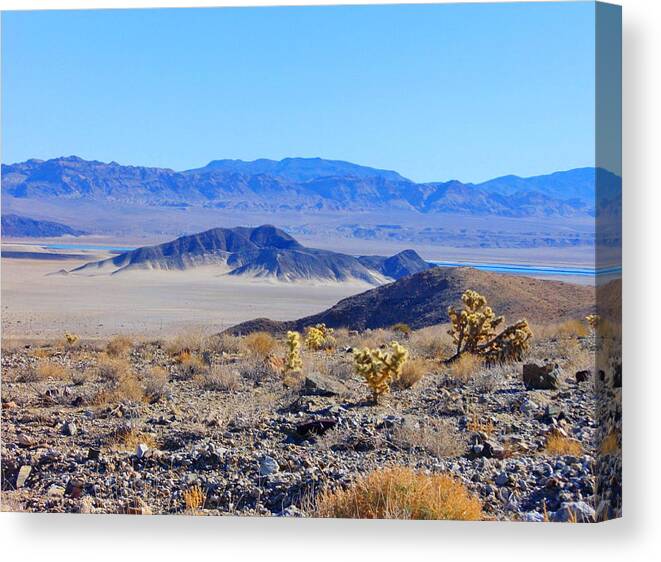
(151, 304)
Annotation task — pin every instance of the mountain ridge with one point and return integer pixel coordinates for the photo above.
(304, 185)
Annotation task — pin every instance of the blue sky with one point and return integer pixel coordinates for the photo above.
(468, 91)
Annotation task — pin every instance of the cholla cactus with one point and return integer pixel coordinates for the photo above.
(380, 368)
(473, 330)
(319, 336)
(293, 362)
(593, 321)
(70, 339)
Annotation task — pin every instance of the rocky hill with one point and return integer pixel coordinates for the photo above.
(422, 300)
(265, 251)
(24, 227)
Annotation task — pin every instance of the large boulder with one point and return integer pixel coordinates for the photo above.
(320, 385)
(541, 377)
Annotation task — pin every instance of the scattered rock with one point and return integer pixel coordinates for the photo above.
(70, 429)
(268, 465)
(141, 450)
(22, 476)
(316, 426)
(317, 384)
(582, 376)
(579, 511)
(545, 377)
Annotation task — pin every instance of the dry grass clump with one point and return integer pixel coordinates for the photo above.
(433, 342)
(156, 384)
(118, 346)
(401, 493)
(45, 370)
(562, 330)
(477, 425)
(610, 445)
(122, 384)
(112, 369)
(412, 372)
(401, 328)
(466, 367)
(220, 378)
(193, 340)
(128, 438)
(194, 499)
(224, 343)
(191, 366)
(561, 445)
(260, 344)
(437, 438)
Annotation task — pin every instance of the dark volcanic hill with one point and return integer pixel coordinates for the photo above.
(25, 227)
(265, 251)
(299, 184)
(397, 266)
(422, 300)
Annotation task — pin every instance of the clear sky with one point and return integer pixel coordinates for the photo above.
(470, 91)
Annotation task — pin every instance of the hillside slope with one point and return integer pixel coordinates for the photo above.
(422, 300)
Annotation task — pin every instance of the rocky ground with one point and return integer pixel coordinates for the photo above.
(217, 429)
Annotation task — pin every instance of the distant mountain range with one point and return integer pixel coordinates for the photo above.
(23, 227)
(422, 300)
(303, 184)
(263, 251)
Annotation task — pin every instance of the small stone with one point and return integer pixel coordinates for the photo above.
(502, 479)
(580, 512)
(528, 406)
(55, 491)
(23, 474)
(141, 450)
(70, 429)
(93, 454)
(136, 507)
(24, 440)
(75, 488)
(532, 517)
(582, 376)
(268, 465)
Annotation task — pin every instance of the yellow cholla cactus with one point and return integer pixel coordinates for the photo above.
(293, 361)
(70, 339)
(473, 330)
(319, 336)
(593, 320)
(379, 368)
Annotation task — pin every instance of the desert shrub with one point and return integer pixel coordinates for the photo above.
(401, 493)
(220, 378)
(466, 367)
(560, 445)
(562, 330)
(477, 424)
(437, 438)
(156, 384)
(79, 377)
(473, 331)
(191, 366)
(112, 369)
(319, 337)
(45, 370)
(412, 371)
(401, 328)
(342, 370)
(380, 368)
(593, 321)
(127, 438)
(126, 387)
(432, 342)
(224, 343)
(610, 445)
(194, 499)
(256, 369)
(293, 361)
(118, 346)
(260, 344)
